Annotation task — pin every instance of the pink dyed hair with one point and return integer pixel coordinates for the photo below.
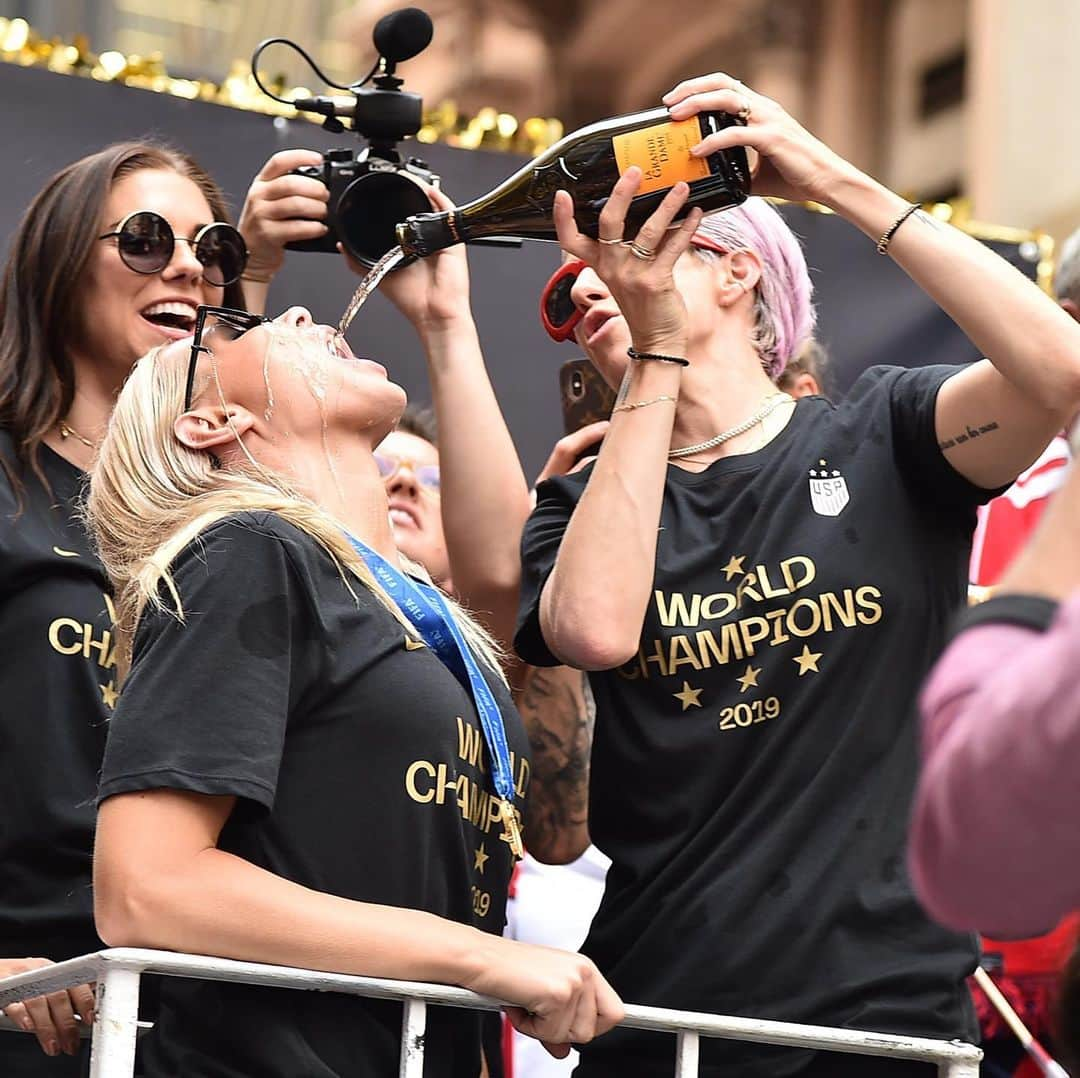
(783, 308)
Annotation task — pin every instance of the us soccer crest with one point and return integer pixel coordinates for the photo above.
(828, 490)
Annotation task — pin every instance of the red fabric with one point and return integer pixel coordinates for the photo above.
(507, 1048)
(1028, 978)
(1028, 1069)
(1007, 521)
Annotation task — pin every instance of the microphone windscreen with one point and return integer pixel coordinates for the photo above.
(402, 34)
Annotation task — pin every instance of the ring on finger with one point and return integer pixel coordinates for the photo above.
(610, 243)
(643, 253)
(743, 115)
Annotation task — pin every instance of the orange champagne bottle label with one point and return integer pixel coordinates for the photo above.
(662, 152)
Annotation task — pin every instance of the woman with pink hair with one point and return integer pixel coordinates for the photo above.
(757, 586)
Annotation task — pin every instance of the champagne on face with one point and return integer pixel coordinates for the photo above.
(587, 163)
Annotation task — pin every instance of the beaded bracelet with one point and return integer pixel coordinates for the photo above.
(886, 238)
(641, 404)
(633, 353)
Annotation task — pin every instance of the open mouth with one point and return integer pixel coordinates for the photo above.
(341, 347)
(174, 318)
(403, 516)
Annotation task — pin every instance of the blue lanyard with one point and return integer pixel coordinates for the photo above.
(427, 609)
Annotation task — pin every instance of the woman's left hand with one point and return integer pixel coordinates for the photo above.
(638, 269)
(791, 164)
(433, 292)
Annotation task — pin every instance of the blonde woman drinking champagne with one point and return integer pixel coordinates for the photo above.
(314, 761)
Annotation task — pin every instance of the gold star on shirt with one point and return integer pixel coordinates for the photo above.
(734, 566)
(109, 695)
(688, 697)
(481, 858)
(749, 678)
(413, 645)
(807, 661)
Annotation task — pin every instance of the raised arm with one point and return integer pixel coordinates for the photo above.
(161, 881)
(280, 208)
(994, 418)
(594, 601)
(485, 498)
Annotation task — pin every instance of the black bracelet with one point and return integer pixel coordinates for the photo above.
(886, 239)
(633, 353)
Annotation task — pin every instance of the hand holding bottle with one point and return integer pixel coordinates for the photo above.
(637, 269)
(791, 164)
(432, 293)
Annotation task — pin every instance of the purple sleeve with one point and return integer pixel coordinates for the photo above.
(994, 839)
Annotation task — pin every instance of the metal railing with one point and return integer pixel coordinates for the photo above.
(117, 972)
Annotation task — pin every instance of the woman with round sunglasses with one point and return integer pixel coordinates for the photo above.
(307, 764)
(757, 585)
(112, 258)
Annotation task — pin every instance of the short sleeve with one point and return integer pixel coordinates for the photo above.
(207, 701)
(555, 501)
(910, 394)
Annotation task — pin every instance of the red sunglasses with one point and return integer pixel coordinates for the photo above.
(558, 312)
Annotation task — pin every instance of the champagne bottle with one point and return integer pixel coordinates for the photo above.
(587, 163)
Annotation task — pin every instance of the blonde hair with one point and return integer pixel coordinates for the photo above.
(151, 496)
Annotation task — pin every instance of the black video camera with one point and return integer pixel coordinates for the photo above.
(369, 195)
(374, 189)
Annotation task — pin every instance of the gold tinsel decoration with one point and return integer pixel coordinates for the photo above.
(488, 129)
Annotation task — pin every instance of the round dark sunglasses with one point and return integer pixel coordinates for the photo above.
(146, 243)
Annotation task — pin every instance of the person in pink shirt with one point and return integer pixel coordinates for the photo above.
(994, 844)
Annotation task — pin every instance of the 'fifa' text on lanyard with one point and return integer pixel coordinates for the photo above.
(426, 608)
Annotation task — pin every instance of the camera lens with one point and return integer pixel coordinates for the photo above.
(370, 209)
(577, 386)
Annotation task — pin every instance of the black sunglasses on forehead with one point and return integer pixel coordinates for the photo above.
(221, 320)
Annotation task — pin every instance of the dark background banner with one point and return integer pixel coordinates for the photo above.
(869, 312)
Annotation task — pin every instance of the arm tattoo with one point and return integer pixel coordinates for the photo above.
(558, 710)
(929, 219)
(968, 434)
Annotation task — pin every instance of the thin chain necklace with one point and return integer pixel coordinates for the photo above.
(772, 402)
(67, 431)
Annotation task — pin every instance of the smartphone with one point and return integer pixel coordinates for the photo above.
(586, 397)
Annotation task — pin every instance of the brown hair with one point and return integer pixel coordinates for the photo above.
(420, 423)
(40, 294)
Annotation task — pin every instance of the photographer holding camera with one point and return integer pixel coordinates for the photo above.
(350, 203)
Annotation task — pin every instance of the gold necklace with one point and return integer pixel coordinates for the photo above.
(67, 431)
(770, 404)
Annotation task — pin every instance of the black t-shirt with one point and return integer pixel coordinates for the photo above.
(57, 688)
(358, 763)
(753, 765)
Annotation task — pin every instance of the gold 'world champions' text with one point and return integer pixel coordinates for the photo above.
(435, 783)
(741, 638)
